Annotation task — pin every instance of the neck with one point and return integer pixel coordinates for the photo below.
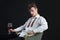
(35, 14)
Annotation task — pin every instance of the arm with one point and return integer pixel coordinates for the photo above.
(21, 27)
(17, 29)
(42, 27)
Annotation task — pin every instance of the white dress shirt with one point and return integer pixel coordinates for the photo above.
(39, 25)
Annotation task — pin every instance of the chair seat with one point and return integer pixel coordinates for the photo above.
(36, 36)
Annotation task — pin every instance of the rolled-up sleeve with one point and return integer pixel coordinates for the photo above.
(19, 28)
(43, 26)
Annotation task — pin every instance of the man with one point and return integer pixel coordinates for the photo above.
(35, 24)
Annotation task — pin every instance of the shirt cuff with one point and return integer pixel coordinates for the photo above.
(14, 30)
(34, 31)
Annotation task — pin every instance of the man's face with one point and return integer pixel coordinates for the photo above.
(33, 11)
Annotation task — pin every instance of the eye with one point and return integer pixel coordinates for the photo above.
(32, 10)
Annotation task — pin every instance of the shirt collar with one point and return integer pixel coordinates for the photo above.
(37, 16)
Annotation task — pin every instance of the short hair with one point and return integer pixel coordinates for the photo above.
(32, 5)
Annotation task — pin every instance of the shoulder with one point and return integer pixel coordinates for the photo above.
(42, 17)
(29, 18)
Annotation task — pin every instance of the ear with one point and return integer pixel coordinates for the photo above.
(36, 9)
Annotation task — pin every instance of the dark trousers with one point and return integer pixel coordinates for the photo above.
(14, 36)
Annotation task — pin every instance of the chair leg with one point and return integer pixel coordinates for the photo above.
(25, 38)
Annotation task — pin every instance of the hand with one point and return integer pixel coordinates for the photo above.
(11, 30)
(31, 33)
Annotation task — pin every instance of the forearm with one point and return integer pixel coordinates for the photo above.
(19, 29)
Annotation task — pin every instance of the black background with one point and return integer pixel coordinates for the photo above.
(16, 12)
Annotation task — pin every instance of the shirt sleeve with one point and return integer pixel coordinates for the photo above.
(43, 26)
(21, 27)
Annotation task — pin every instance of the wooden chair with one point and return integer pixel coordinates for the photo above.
(37, 36)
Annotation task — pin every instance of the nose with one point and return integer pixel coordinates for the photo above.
(31, 12)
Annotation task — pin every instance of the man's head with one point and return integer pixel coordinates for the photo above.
(33, 9)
